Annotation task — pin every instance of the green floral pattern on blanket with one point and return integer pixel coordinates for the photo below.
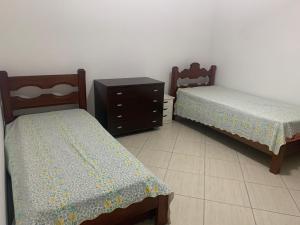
(262, 120)
(66, 169)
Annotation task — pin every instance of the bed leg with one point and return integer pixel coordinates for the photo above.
(277, 160)
(161, 214)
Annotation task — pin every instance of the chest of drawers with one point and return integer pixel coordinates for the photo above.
(129, 104)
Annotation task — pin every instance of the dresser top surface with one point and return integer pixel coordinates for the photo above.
(128, 81)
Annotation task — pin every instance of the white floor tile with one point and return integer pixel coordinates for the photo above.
(296, 197)
(224, 169)
(261, 175)
(273, 199)
(186, 163)
(220, 151)
(270, 218)
(155, 158)
(134, 140)
(159, 172)
(134, 151)
(226, 191)
(159, 142)
(187, 184)
(251, 156)
(190, 135)
(223, 214)
(290, 172)
(190, 148)
(186, 211)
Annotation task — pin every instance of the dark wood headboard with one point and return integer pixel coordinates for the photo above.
(194, 72)
(11, 103)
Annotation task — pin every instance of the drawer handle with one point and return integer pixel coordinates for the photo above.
(119, 105)
(165, 115)
(165, 108)
(154, 121)
(155, 90)
(119, 93)
(119, 127)
(155, 100)
(119, 116)
(154, 111)
(166, 102)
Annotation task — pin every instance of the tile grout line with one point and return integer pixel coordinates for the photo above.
(214, 176)
(216, 201)
(140, 148)
(179, 171)
(167, 168)
(243, 181)
(274, 212)
(246, 189)
(298, 207)
(173, 149)
(237, 205)
(160, 150)
(265, 185)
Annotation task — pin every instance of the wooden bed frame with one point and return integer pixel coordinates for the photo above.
(195, 72)
(158, 206)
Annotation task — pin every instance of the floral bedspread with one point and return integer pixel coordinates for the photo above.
(66, 169)
(259, 119)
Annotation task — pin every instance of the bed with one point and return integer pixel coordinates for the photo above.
(265, 124)
(66, 169)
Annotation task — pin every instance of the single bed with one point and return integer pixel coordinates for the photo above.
(268, 125)
(66, 169)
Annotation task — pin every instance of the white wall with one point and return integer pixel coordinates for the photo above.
(2, 176)
(109, 38)
(256, 45)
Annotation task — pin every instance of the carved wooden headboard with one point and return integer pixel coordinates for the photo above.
(10, 102)
(192, 77)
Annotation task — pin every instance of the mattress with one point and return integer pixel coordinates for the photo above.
(66, 169)
(262, 120)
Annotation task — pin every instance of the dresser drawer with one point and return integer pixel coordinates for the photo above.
(168, 104)
(122, 93)
(153, 90)
(167, 111)
(125, 126)
(167, 118)
(144, 104)
(123, 114)
(136, 92)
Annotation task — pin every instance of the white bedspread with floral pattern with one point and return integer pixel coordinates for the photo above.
(258, 119)
(66, 169)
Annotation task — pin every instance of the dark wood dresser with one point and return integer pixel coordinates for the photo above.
(129, 104)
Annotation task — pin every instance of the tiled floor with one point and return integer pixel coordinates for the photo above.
(216, 180)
